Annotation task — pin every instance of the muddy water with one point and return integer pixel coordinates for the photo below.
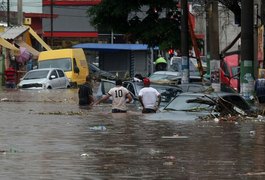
(45, 135)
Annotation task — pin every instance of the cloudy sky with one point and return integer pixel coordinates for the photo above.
(34, 6)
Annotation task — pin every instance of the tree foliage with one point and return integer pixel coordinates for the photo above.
(153, 22)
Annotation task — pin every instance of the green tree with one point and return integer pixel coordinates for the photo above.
(153, 22)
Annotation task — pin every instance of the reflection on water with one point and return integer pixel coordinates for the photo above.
(38, 142)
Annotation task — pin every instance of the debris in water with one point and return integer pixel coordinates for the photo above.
(98, 128)
(84, 155)
(175, 136)
(252, 133)
(4, 99)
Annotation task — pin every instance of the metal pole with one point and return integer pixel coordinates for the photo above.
(51, 23)
(263, 23)
(184, 42)
(19, 12)
(214, 46)
(8, 13)
(247, 49)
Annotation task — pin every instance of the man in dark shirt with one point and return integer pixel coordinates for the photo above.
(85, 93)
(10, 77)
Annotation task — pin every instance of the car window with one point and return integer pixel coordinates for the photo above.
(54, 73)
(106, 86)
(131, 89)
(60, 72)
(237, 101)
(64, 63)
(225, 68)
(36, 74)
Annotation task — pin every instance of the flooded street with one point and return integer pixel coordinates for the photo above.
(45, 135)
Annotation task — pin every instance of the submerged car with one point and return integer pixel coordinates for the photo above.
(192, 106)
(46, 78)
(166, 77)
(174, 78)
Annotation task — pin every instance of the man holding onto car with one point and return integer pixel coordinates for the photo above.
(120, 96)
(149, 98)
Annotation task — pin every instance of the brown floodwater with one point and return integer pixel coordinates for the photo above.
(46, 135)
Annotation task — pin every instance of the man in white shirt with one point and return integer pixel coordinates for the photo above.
(149, 98)
(119, 98)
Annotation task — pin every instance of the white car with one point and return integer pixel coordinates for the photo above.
(174, 78)
(166, 77)
(46, 78)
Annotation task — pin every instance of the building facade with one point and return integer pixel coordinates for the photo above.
(71, 24)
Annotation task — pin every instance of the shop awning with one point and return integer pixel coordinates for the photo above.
(14, 32)
(30, 49)
(7, 44)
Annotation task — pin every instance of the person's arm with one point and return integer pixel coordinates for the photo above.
(129, 97)
(104, 98)
(159, 100)
(141, 101)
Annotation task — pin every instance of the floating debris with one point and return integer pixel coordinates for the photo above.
(98, 128)
(84, 155)
(252, 133)
(175, 136)
(168, 163)
(4, 99)
(69, 113)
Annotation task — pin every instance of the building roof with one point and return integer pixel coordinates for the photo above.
(13, 32)
(113, 47)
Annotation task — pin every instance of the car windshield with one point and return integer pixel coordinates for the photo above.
(187, 103)
(94, 68)
(157, 77)
(167, 92)
(36, 74)
(63, 63)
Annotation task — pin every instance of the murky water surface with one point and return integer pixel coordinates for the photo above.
(45, 135)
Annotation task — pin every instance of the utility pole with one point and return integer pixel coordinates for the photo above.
(247, 49)
(8, 13)
(263, 23)
(51, 1)
(185, 42)
(213, 34)
(19, 13)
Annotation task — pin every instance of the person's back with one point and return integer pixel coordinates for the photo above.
(10, 77)
(149, 98)
(120, 96)
(85, 93)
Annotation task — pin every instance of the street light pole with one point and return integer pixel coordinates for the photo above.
(247, 49)
(8, 13)
(51, 11)
(184, 42)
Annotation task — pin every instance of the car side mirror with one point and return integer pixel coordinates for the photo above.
(76, 70)
(52, 77)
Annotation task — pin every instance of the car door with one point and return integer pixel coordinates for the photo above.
(62, 78)
(130, 86)
(54, 79)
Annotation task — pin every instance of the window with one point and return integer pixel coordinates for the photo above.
(60, 72)
(53, 73)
